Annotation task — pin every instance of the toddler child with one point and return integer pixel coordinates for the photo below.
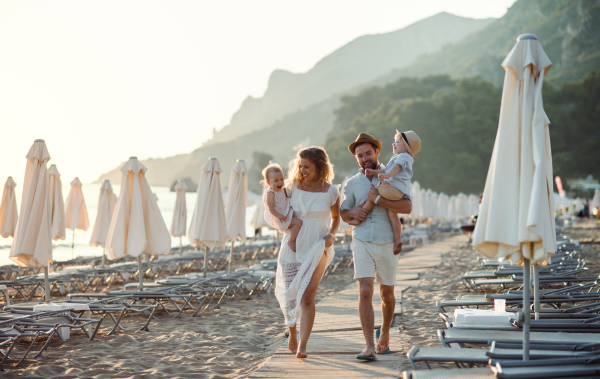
(395, 178)
(278, 209)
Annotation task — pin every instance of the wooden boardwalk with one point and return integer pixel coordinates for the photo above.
(337, 335)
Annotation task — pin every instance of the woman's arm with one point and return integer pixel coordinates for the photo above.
(271, 206)
(335, 223)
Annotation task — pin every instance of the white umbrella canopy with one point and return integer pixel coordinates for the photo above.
(75, 209)
(8, 209)
(258, 218)
(32, 243)
(517, 211)
(452, 208)
(442, 206)
(179, 222)
(106, 207)
(208, 226)
(595, 200)
(417, 204)
(516, 219)
(57, 213)
(137, 226)
(235, 206)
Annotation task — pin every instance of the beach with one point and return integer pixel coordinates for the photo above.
(239, 338)
(230, 342)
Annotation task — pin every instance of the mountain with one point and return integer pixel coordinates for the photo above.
(569, 31)
(297, 109)
(359, 61)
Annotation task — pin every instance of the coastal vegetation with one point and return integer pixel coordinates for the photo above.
(457, 121)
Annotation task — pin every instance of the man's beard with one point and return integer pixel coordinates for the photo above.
(373, 165)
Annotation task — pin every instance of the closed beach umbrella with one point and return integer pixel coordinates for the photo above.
(258, 219)
(595, 200)
(57, 204)
(76, 216)
(179, 222)
(208, 226)
(417, 204)
(8, 209)
(517, 212)
(106, 207)
(32, 243)
(137, 226)
(442, 206)
(235, 206)
(452, 208)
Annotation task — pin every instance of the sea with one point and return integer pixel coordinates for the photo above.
(62, 250)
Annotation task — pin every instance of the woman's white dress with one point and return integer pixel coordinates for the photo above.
(294, 270)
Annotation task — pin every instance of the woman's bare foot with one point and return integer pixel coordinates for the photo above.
(292, 245)
(353, 222)
(301, 353)
(293, 341)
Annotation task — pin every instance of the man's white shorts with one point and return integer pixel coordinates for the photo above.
(373, 260)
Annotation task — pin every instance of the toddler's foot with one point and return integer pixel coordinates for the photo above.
(292, 245)
(397, 246)
(354, 222)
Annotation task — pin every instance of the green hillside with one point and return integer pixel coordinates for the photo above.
(457, 121)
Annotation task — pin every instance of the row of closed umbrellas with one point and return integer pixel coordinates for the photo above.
(427, 203)
(130, 224)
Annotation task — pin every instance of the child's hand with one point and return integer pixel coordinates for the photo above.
(368, 172)
(282, 218)
(383, 176)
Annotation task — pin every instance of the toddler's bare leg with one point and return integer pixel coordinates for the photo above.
(295, 226)
(397, 228)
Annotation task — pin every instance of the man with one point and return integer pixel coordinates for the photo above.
(373, 247)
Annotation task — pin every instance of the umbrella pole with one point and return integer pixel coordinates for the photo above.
(103, 257)
(46, 285)
(230, 257)
(140, 273)
(205, 260)
(536, 291)
(526, 304)
(180, 245)
(73, 246)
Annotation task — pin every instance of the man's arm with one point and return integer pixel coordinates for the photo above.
(403, 206)
(356, 213)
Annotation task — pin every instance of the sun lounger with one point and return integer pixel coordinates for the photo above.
(473, 373)
(482, 337)
(445, 354)
(549, 368)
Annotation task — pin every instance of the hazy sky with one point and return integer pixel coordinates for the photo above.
(103, 80)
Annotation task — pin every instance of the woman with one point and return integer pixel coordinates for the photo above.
(314, 200)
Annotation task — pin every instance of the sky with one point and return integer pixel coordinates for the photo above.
(100, 81)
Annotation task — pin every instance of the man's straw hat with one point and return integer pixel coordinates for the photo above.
(412, 141)
(364, 138)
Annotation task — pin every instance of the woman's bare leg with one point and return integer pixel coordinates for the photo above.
(293, 339)
(308, 306)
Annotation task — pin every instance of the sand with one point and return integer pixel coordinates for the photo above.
(237, 339)
(229, 342)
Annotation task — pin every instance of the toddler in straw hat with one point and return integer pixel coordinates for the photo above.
(395, 178)
(278, 208)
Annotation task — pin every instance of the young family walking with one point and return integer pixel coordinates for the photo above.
(301, 207)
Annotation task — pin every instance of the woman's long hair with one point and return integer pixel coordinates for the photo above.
(318, 156)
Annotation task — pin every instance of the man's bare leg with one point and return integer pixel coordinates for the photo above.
(397, 228)
(365, 311)
(388, 306)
